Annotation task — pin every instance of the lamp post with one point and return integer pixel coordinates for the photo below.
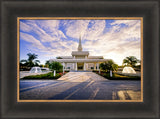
(54, 73)
(110, 73)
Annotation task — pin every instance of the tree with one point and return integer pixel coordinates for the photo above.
(109, 65)
(30, 62)
(55, 66)
(47, 64)
(130, 61)
(36, 62)
(114, 67)
(103, 66)
(41, 65)
(31, 57)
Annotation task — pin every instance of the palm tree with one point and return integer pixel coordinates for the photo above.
(130, 61)
(36, 62)
(31, 57)
(30, 62)
(47, 64)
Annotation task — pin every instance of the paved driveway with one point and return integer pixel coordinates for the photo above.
(79, 86)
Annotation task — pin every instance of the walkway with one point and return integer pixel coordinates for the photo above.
(80, 86)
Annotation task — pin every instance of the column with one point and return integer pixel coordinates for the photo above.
(73, 66)
(63, 67)
(76, 66)
(94, 66)
(98, 66)
(84, 66)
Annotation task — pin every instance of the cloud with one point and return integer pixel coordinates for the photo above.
(24, 27)
(48, 25)
(46, 31)
(126, 22)
(56, 48)
(88, 29)
(75, 28)
(29, 38)
(120, 41)
(95, 30)
(53, 38)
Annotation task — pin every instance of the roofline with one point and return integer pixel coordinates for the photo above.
(79, 60)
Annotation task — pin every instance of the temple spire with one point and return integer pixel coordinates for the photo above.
(80, 45)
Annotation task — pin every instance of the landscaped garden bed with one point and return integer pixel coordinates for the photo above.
(116, 76)
(45, 76)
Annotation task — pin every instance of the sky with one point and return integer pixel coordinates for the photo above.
(112, 39)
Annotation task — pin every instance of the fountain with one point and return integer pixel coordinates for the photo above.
(128, 70)
(35, 70)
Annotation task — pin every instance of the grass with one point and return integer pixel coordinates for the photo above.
(44, 76)
(116, 76)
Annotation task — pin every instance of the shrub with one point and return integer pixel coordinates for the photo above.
(116, 76)
(44, 76)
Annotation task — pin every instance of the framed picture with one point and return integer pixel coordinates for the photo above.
(80, 59)
(109, 76)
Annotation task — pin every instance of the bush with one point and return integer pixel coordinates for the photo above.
(44, 76)
(116, 76)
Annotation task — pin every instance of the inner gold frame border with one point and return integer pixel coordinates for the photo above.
(79, 18)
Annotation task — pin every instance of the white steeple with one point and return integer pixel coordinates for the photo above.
(80, 45)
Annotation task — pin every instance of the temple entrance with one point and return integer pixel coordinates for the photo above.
(80, 66)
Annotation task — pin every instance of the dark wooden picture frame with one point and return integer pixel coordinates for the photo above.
(79, 18)
(10, 10)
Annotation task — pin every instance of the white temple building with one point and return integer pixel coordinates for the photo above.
(80, 60)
